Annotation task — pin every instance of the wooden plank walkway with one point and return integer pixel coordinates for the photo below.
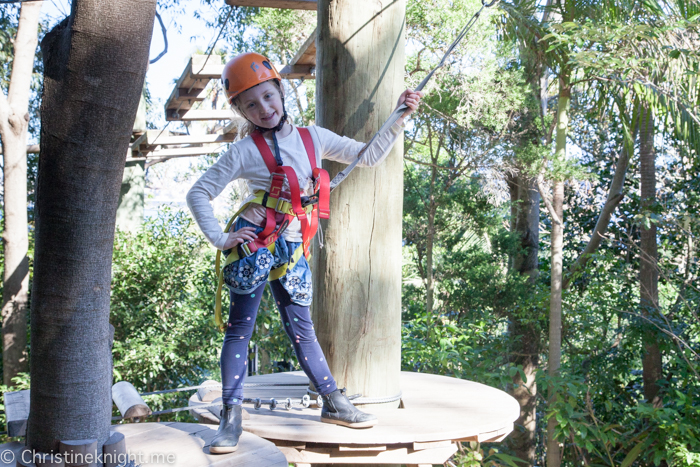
(288, 4)
(185, 444)
(437, 412)
(202, 69)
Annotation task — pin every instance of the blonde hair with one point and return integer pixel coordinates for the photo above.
(243, 126)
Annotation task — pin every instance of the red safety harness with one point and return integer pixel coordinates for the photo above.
(321, 185)
(281, 208)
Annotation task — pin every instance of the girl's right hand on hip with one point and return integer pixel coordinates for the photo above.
(241, 235)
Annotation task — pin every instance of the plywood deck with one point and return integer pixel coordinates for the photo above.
(438, 411)
(187, 444)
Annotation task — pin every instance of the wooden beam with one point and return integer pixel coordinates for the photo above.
(298, 71)
(286, 4)
(195, 94)
(307, 53)
(187, 152)
(361, 447)
(154, 138)
(197, 115)
(431, 445)
(390, 456)
(180, 152)
(352, 325)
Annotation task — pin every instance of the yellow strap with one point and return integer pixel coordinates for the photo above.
(233, 256)
(282, 270)
(220, 271)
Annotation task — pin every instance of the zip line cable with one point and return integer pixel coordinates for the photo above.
(210, 49)
(342, 175)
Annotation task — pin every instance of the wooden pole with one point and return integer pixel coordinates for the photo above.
(357, 304)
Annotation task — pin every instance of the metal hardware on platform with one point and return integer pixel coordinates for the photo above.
(357, 399)
(191, 388)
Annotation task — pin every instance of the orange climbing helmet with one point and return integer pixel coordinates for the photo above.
(245, 71)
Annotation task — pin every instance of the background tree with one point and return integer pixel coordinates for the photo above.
(14, 122)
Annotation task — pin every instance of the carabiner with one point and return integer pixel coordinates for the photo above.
(308, 200)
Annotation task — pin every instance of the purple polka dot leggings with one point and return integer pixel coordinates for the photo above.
(297, 323)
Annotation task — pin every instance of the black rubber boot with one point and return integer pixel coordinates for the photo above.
(338, 409)
(230, 429)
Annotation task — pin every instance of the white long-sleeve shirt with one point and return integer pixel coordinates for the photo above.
(244, 161)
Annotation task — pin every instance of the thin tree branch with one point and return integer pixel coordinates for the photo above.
(165, 39)
(437, 166)
(615, 195)
(547, 201)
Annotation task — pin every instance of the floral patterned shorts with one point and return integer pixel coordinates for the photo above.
(246, 274)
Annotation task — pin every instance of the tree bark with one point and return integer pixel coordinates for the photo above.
(525, 338)
(555, 301)
(648, 272)
(95, 62)
(14, 121)
(430, 243)
(357, 276)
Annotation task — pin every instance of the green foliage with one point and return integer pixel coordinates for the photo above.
(162, 308)
(468, 349)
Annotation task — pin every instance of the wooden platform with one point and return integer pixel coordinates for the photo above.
(437, 412)
(289, 4)
(181, 445)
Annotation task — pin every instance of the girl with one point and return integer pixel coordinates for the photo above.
(270, 235)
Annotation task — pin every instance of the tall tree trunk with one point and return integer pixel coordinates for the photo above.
(557, 243)
(14, 120)
(553, 449)
(525, 338)
(430, 244)
(648, 272)
(357, 276)
(95, 62)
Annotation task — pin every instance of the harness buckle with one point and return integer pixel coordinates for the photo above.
(245, 248)
(280, 201)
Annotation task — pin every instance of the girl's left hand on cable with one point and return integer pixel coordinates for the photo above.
(241, 235)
